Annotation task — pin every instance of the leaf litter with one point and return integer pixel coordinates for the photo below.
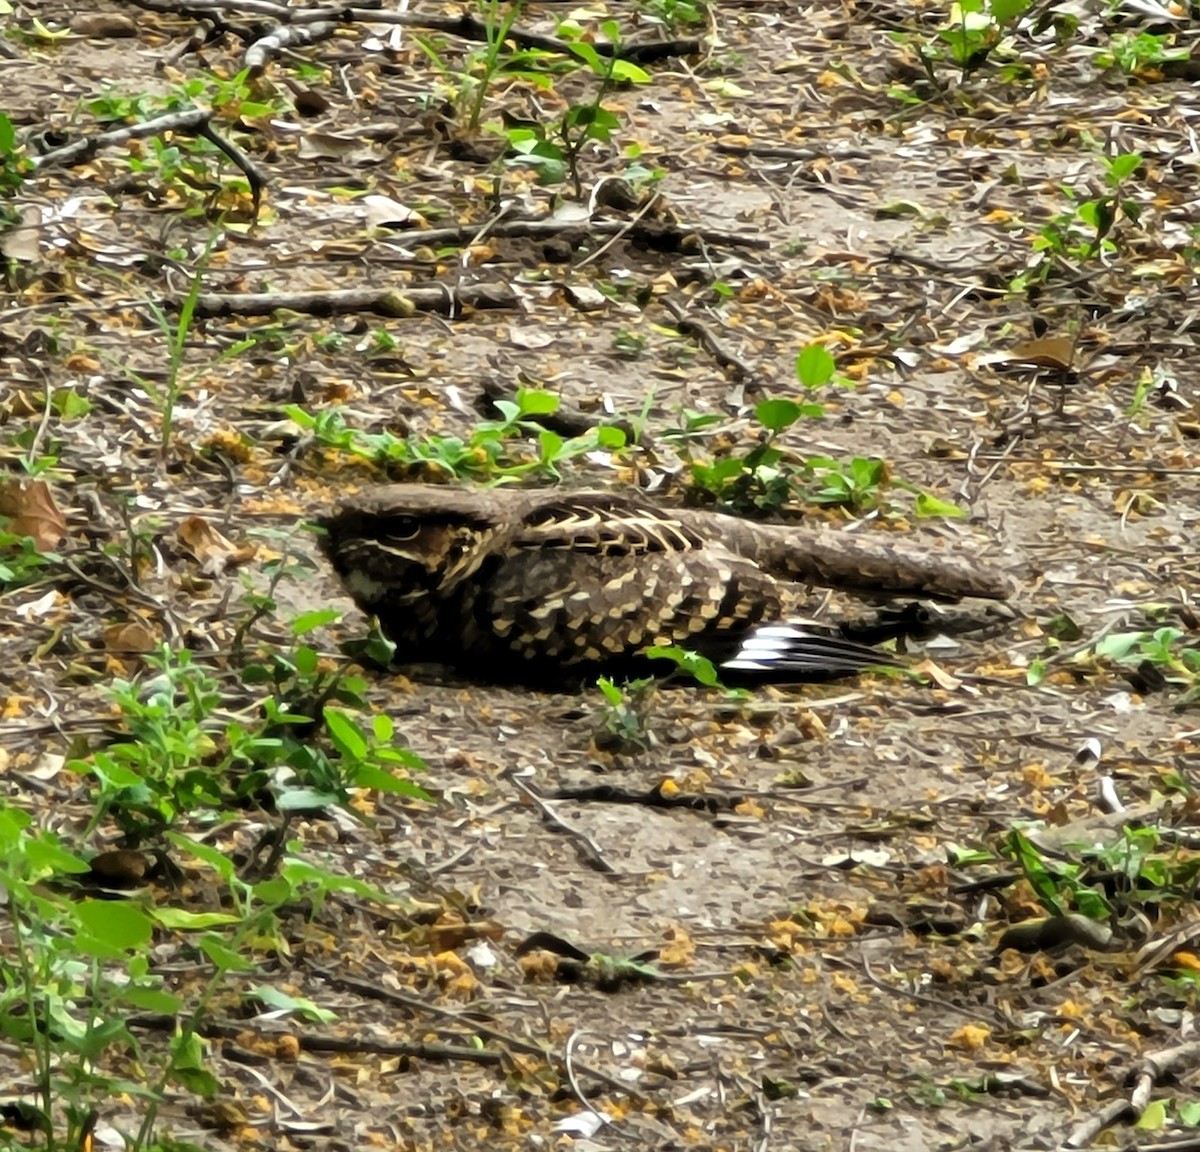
(939, 225)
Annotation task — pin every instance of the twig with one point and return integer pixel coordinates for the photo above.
(703, 336)
(86, 147)
(591, 853)
(652, 233)
(374, 991)
(216, 1029)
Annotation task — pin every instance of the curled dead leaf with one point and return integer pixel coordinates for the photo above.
(938, 675)
(120, 868)
(132, 636)
(210, 549)
(1050, 933)
(30, 507)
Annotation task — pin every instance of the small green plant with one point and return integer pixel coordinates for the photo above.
(14, 166)
(495, 449)
(674, 14)
(75, 970)
(1171, 651)
(1137, 870)
(553, 148)
(767, 477)
(177, 334)
(625, 719)
(628, 343)
(1061, 886)
(468, 87)
(180, 757)
(1081, 232)
(21, 563)
(184, 168)
(974, 29)
(1135, 52)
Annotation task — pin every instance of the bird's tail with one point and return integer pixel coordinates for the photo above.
(800, 651)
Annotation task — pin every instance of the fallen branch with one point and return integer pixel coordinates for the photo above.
(657, 234)
(468, 27)
(196, 121)
(465, 27)
(384, 301)
(1154, 1067)
(261, 52)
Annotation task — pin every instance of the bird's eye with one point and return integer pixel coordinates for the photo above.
(401, 527)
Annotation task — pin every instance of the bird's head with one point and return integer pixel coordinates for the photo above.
(397, 544)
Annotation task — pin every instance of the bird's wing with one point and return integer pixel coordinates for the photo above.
(588, 605)
(600, 523)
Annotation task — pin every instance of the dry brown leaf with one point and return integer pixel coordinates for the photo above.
(133, 636)
(938, 675)
(1046, 352)
(30, 506)
(211, 550)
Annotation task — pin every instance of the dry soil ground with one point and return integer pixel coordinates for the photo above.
(828, 972)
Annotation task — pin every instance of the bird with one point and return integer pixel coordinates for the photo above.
(548, 587)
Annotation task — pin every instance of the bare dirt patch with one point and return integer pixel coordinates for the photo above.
(822, 871)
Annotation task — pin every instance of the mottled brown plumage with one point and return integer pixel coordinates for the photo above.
(533, 585)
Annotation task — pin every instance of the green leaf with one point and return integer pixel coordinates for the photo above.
(588, 54)
(1006, 11)
(225, 958)
(305, 800)
(1154, 1117)
(306, 659)
(700, 668)
(150, 1000)
(197, 1081)
(310, 620)
(1035, 673)
(1119, 645)
(1122, 166)
(611, 438)
(550, 446)
(70, 405)
(274, 998)
(536, 402)
(814, 366)
(926, 505)
(48, 857)
(629, 73)
(346, 735)
(776, 415)
(215, 859)
(179, 919)
(116, 923)
(370, 776)
(383, 727)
